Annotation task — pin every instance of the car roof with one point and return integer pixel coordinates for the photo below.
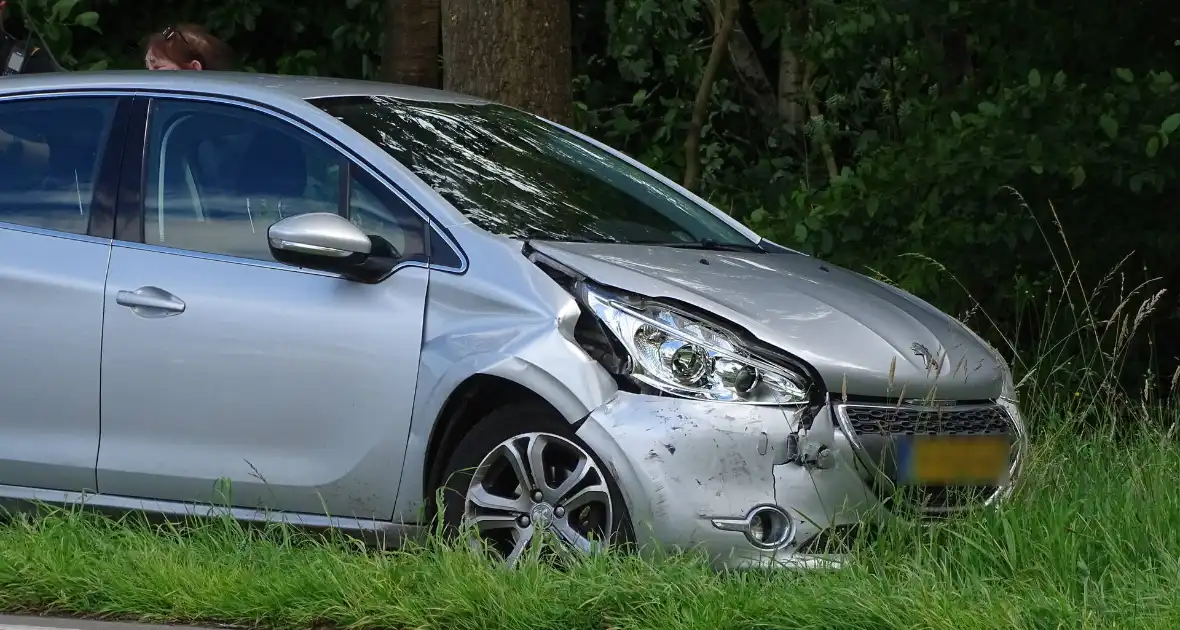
(247, 85)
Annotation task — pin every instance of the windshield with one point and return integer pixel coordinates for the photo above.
(515, 175)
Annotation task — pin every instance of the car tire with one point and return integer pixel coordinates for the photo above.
(484, 452)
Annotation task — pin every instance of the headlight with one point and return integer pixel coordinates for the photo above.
(678, 354)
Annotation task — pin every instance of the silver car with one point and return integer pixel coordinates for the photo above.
(335, 302)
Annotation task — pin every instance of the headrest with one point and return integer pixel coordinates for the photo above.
(273, 165)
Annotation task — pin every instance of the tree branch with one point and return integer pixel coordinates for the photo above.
(817, 116)
(752, 77)
(700, 109)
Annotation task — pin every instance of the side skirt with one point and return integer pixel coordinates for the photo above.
(384, 534)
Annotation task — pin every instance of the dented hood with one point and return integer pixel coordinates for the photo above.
(847, 326)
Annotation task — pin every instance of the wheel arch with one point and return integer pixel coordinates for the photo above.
(473, 399)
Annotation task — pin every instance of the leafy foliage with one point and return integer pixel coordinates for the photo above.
(925, 113)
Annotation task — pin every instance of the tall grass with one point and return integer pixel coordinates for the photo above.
(1093, 541)
(1090, 540)
(1074, 371)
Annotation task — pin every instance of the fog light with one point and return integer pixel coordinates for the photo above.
(758, 528)
(767, 527)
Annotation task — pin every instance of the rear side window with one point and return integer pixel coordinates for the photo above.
(50, 155)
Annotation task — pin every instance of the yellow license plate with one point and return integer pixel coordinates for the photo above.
(953, 460)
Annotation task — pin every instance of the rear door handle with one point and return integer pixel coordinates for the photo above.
(150, 302)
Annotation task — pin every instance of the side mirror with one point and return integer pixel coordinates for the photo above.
(328, 242)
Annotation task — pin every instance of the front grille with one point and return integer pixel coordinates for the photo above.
(878, 431)
(890, 420)
(935, 500)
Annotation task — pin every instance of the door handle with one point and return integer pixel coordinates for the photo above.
(150, 302)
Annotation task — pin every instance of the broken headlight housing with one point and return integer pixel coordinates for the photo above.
(676, 353)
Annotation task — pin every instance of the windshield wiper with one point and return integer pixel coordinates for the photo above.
(706, 244)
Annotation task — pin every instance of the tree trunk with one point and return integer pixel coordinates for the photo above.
(790, 88)
(410, 54)
(956, 49)
(516, 52)
(700, 109)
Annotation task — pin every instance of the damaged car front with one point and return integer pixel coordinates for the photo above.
(714, 391)
(756, 425)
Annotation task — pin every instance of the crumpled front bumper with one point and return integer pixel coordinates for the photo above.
(682, 464)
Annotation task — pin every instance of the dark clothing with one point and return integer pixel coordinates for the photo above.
(24, 57)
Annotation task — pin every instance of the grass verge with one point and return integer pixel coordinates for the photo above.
(1093, 541)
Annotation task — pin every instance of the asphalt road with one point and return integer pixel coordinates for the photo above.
(47, 623)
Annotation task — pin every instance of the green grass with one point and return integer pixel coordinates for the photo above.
(1093, 541)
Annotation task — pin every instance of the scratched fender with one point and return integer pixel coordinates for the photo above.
(682, 463)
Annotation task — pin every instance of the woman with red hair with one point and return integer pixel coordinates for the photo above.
(187, 47)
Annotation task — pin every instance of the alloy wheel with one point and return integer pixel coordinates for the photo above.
(538, 483)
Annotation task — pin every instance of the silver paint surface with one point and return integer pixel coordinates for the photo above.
(51, 294)
(848, 327)
(316, 397)
(319, 233)
(682, 464)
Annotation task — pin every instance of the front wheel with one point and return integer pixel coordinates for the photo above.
(521, 474)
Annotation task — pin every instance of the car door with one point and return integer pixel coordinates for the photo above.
(58, 169)
(228, 377)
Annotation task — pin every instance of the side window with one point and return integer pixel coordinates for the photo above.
(50, 154)
(377, 212)
(218, 176)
